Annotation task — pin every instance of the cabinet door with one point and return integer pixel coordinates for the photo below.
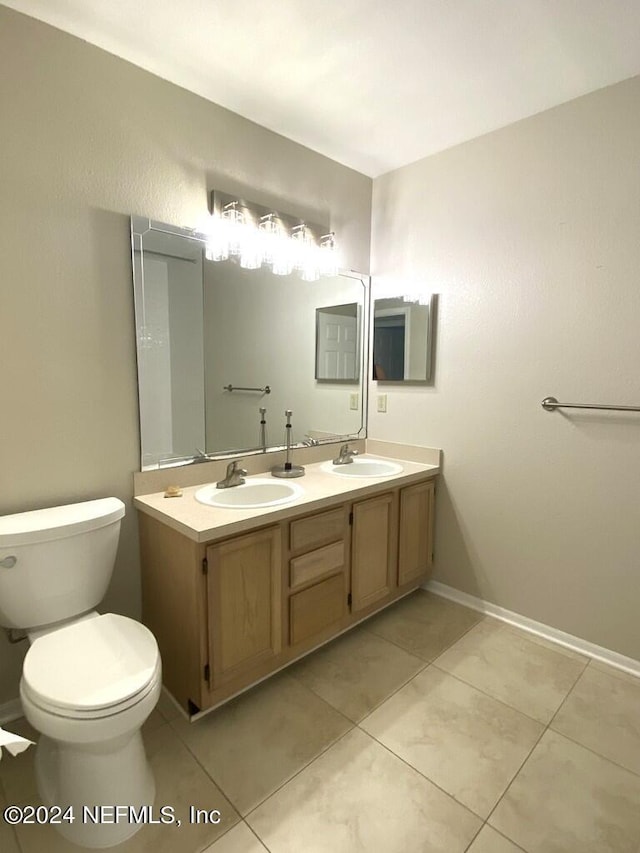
(373, 549)
(416, 531)
(244, 603)
(317, 608)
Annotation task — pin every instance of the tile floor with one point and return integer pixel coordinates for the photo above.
(429, 728)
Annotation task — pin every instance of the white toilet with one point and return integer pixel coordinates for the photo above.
(89, 681)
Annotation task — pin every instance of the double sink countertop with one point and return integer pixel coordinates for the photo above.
(320, 489)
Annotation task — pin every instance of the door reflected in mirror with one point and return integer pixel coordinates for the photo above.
(403, 339)
(338, 343)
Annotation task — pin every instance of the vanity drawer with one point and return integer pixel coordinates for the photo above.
(316, 608)
(307, 533)
(315, 564)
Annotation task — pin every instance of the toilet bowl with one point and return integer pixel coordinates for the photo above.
(89, 681)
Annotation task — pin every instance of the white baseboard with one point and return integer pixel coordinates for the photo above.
(576, 644)
(10, 711)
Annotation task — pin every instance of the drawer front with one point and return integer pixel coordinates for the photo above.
(315, 564)
(308, 533)
(316, 608)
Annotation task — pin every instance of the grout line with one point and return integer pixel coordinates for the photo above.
(597, 754)
(424, 776)
(472, 842)
(515, 776)
(260, 840)
(393, 693)
(211, 845)
(423, 665)
(504, 702)
(535, 745)
(482, 618)
(207, 774)
(571, 689)
(506, 837)
(577, 742)
(489, 695)
(297, 773)
(523, 623)
(614, 672)
(501, 834)
(351, 726)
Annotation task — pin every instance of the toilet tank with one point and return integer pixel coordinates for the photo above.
(56, 563)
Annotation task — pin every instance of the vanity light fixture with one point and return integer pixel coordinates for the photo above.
(328, 255)
(255, 236)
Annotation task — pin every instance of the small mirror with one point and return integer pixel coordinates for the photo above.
(403, 339)
(338, 343)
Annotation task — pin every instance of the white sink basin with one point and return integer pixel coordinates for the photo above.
(363, 466)
(254, 494)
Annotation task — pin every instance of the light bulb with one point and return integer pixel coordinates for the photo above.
(250, 248)
(234, 221)
(217, 244)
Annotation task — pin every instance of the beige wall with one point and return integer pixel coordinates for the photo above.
(87, 139)
(531, 236)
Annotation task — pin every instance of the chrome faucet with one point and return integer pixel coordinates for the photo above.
(345, 456)
(234, 476)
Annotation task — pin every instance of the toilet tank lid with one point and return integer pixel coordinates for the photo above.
(58, 522)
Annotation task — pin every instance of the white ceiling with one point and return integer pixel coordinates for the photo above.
(373, 84)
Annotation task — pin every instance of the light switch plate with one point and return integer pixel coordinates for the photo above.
(353, 402)
(382, 402)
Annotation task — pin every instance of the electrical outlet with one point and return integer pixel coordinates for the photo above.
(354, 402)
(382, 402)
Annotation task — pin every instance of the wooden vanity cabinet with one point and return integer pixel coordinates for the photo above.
(374, 550)
(415, 540)
(228, 613)
(244, 603)
(175, 609)
(318, 575)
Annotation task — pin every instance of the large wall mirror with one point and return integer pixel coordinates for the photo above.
(217, 344)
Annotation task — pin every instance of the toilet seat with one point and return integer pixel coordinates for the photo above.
(93, 668)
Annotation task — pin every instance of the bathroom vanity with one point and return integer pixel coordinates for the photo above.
(232, 595)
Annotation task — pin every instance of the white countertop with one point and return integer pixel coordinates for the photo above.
(321, 489)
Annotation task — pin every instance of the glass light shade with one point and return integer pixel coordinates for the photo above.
(272, 234)
(300, 243)
(250, 248)
(310, 267)
(282, 259)
(328, 256)
(234, 221)
(217, 243)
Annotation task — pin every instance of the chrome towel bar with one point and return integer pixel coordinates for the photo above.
(265, 390)
(550, 403)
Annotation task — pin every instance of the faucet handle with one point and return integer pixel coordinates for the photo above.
(232, 468)
(345, 456)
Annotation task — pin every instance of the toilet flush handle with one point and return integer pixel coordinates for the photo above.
(8, 562)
